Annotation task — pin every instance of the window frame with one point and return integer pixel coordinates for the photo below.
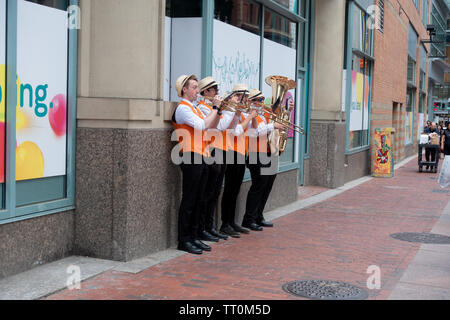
(12, 213)
(352, 8)
(302, 67)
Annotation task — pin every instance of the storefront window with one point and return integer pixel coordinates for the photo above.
(422, 103)
(2, 96)
(41, 117)
(236, 45)
(280, 58)
(359, 107)
(411, 76)
(243, 14)
(359, 78)
(183, 8)
(362, 35)
(292, 5)
(280, 29)
(183, 29)
(409, 114)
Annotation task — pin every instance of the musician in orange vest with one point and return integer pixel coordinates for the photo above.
(209, 88)
(190, 125)
(261, 184)
(235, 160)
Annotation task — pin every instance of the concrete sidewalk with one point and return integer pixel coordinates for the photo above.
(335, 235)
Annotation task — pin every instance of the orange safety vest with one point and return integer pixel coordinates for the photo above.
(193, 141)
(238, 143)
(211, 136)
(258, 144)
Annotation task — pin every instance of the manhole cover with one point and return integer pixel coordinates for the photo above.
(440, 191)
(423, 237)
(325, 290)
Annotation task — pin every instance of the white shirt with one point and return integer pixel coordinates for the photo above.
(224, 122)
(184, 115)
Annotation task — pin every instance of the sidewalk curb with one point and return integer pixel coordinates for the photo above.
(56, 276)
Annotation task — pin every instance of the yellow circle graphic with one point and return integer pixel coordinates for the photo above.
(29, 161)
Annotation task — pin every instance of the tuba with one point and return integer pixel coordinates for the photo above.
(280, 113)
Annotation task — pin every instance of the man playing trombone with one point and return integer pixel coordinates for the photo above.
(261, 184)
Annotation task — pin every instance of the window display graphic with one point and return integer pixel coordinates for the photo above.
(236, 57)
(41, 114)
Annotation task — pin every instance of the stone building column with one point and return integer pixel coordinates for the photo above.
(127, 189)
(327, 134)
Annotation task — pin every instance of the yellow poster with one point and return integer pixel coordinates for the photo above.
(383, 162)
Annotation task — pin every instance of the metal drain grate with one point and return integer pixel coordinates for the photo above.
(423, 237)
(325, 290)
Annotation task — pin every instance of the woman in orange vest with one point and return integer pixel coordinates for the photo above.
(235, 160)
(190, 125)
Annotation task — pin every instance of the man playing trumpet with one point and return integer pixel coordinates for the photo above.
(216, 167)
(235, 169)
(190, 125)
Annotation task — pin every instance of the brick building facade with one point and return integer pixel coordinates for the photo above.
(390, 76)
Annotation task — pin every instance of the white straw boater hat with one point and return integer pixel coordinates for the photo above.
(206, 83)
(238, 88)
(181, 81)
(254, 94)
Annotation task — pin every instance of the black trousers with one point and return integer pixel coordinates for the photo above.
(258, 194)
(194, 183)
(432, 152)
(216, 173)
(265, 196)
(234, 174)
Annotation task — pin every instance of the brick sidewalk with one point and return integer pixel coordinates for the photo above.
(336, 239)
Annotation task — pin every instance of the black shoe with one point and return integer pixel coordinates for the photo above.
(227, 229)
(264, 223)
(252, 226)
(239, 228)
(189, 247)
(206, 236)
(201, 245)
(218, 234)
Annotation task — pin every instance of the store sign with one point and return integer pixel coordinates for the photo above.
(42, 37)
(2, 87)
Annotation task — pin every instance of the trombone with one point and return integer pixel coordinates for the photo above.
(265, 109)
(229, 105)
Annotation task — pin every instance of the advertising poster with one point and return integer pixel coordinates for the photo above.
(356, 113)
(383, 164)
(366, 103)
(41, 115)
(236, 56)
(2, 87)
